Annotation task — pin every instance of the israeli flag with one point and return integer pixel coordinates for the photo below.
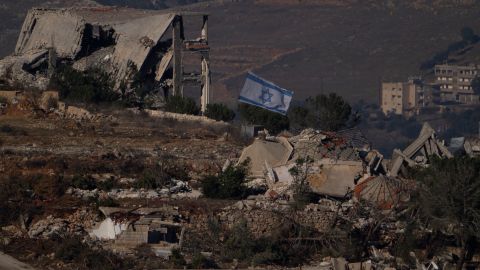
(264, 94)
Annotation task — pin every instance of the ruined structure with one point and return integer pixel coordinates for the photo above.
(418, 152)
(160, 228)
(129, 44)
(336, 164)
(342, 164)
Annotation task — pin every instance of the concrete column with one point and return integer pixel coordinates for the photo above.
(177, 56)
(52, 61)
(205, 28)
(205, 99)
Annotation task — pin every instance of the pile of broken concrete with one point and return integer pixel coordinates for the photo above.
(343, 165)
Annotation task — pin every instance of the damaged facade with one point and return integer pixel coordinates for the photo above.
(126, 43)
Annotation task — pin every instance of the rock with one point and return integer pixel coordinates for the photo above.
(125, 180)
(82, 193)
(48, 227)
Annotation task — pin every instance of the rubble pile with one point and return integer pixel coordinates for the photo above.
(51, 226)
(342, 164)
(176, 187)
(319, 145)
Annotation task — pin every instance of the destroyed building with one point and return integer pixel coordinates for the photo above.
(160, 228)
(125, 43)
(343, 164)
(419, 152)
(336, 161)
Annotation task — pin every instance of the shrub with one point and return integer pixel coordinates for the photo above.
(48, 186)
(73, 250)
(179, 104)
(229, 184)
(14, 131)
(109, 202)
(153, 178)
(106, 185)
(273, 122)
(83, 182)
(93, 85)
(219, 112)
(69, 249)
(176, 259)
(15, 200)
(302, 193)
(6, 129)
(239, 244)
(201, 262)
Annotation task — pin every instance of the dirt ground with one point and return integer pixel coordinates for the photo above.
(10, 263)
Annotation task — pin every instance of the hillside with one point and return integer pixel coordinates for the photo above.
(311, 46)
(345, 49)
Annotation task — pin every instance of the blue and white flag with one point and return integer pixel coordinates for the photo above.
(264, 94)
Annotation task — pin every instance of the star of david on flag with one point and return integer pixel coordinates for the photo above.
(264, 94)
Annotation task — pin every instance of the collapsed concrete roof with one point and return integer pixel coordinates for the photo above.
(260, 152)
(72, 32)
(384, 191)
(419, 151)
(334, 177)
(319, 144)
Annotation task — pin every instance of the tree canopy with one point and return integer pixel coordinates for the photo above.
(326, 112)
(273, 122)
(219, 112)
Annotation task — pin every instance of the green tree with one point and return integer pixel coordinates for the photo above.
(219, 112)
(179, 104)
(326, 112)
(229, 184)
(273, 122)
(93, 85)
(302, 193)
(448, 200)
(298, 118)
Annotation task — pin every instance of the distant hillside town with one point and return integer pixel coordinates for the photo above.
(452, 87)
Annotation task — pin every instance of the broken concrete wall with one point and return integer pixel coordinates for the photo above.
(334, 177)
(43, 29)
(14, 74)
(135, 41)
(265, 218)
(93, 38)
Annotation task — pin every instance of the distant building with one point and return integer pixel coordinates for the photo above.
(405, 98)
(455, 83)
